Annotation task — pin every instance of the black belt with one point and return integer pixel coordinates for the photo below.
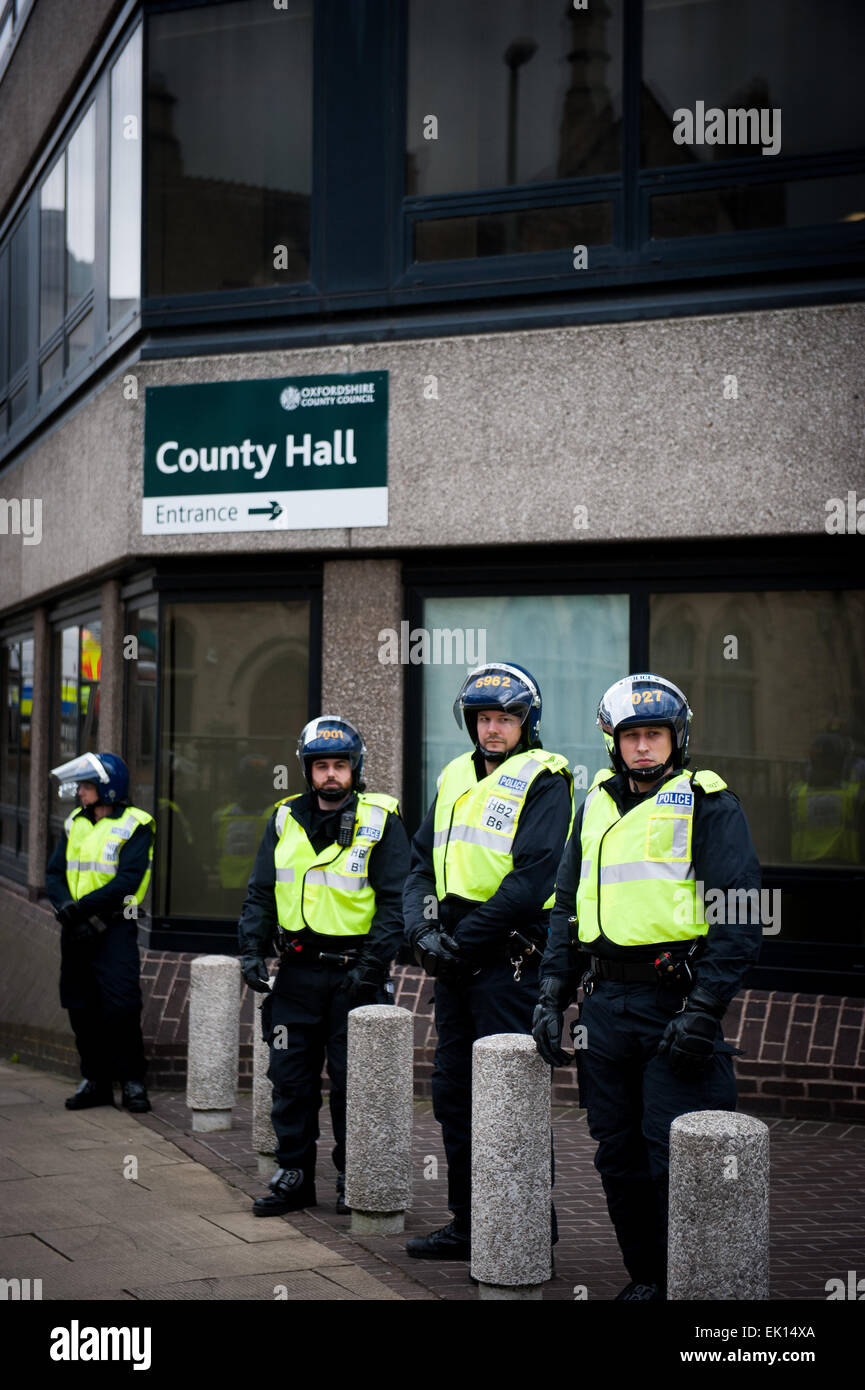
(630, 973)
(308, 953)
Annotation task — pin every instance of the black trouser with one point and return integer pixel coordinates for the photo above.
(491, 1001)
(100, 985)
(631, 1098)
(304, 1020)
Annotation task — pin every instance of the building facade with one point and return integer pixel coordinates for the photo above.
(579, 293)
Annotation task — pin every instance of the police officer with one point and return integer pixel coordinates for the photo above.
(477, 902)
(97, 875)
(328, 881)
(827, 811)
(648, 841)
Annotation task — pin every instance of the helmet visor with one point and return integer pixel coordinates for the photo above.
(85, 768)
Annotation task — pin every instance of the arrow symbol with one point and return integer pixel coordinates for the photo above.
(273, 511)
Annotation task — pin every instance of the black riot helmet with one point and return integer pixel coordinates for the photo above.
(505, 686)
(641, 700)
(328, 736)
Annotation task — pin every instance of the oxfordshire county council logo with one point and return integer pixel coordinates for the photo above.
(289, 399)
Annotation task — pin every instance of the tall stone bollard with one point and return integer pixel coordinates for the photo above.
(263, 1136)
(214, 1040)
(718, 1243)
(510, 1167)
(379, 1118)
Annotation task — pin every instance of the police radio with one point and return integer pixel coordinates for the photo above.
(346, 828)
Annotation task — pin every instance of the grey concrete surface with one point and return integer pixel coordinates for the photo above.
(98, 1206)
(719, 1207)
(378, 1180)
(214, 1039)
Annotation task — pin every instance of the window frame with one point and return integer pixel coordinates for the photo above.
(15, 866)
(678, 568)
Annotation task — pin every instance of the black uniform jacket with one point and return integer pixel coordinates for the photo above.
(387, 866)
(132, 863)
(481, 929)
(723, 856)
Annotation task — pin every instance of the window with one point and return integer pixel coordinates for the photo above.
(575, 645)
(229, 100)
(124, 248)
(234, 695)
(76, 669)
(67, 231)
(16, 682)
(789, 742)
(142, 624)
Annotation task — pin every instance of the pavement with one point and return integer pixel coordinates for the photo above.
(100, 1204)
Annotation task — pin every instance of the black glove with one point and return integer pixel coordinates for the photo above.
(548, 1019)
(69, 915)
(365, 981)
(254, 972)
(689, 1038)
(439, 955)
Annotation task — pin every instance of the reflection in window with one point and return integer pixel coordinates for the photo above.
(229, 115)
(81, 214)
(18, 344)
(738, 54)
(766, 719)
(574, 645)
(142, 624)
(124, 251)
(523, 92)
(513, 233)
(751, 207)
(52, 250)
(234, 692)
(16, 685)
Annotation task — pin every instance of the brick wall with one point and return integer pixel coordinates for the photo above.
(804, 1054)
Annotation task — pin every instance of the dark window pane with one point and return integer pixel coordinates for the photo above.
(52, 250)
(88, 687)
(749, 207)
(523, 91)
(234, 698)
(229, 147)
(81, 211)
(513, 233)
(124, 264)
(140, 671)
(81, 341)
(790, 745)
(51, 370)
(791, 55)
(17, 406)
(4, 322)
(18, 300)
(9, 751)
(26, 719)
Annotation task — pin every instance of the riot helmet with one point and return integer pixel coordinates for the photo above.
(503, 686)
(645, 700)
(108, 773)
(328, 736)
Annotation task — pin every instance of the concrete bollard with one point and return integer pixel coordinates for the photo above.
(214, 1039)
(263, 1136)
(379, 1118)
(511, 1184)
(718, 1245)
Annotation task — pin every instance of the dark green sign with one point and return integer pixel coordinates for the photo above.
(287, 453)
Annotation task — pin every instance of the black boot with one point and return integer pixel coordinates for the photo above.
(450, 1242)
(341, 1208)
(135, 1097)
(641, 1293)
(91, 1093)
(290, 1190)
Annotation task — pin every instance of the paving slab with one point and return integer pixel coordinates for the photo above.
(282, 1286)
(254, 1228)
(295, 1253)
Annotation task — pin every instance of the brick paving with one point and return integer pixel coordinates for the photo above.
(817, 1204)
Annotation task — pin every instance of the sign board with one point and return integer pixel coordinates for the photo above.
(284, 454)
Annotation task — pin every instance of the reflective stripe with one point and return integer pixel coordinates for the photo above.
(346, 883)
(681, 827)
(373, 816)
(643, 869)
(89, 866)
(487, 839)
(282, 815)
(586, 868)
(67, 824)
(285, 876)
(440, 837)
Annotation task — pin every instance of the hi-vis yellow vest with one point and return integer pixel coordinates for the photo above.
(824, 823)
(476, 821)
(637, 882)
(329, 892)
(93, 849)
(239, 836)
